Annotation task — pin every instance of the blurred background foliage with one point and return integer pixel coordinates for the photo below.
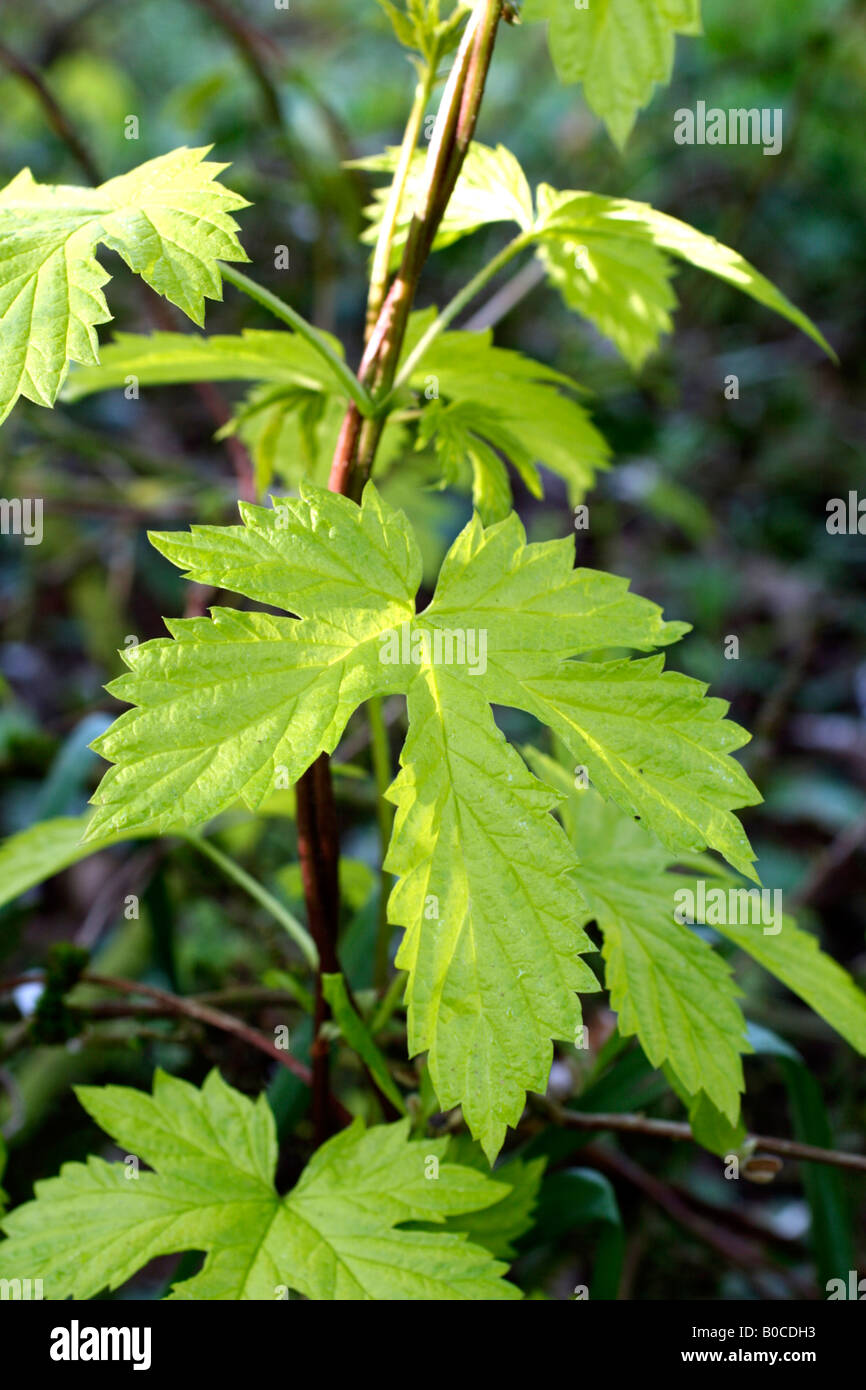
(716, 508)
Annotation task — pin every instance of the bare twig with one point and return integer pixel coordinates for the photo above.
(673, 1129)
(190, 1008)
(56, 116)
(734, 1248)
(830, 861)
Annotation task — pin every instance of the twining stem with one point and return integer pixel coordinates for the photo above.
(455, 306)
(449, 144)
(283, 311)
(356, 449)
(381, 759)
(382, 256)
(281, 914)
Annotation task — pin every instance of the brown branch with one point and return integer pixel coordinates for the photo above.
(248, 44)
(737, 1249)
(240, 997)
(672, 1129)
(711, 1225)
(210, 1017)
(55, 115)
(190, 1008)
(830, 861)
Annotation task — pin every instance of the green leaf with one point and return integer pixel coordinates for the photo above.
(534, 607)
(289, 420)
(519, 406)
(419, 28)
(402, 23)
(618, 49)
(334, 1237)
(794, 956)
(610, 259)
(357, 1035)
(492, 187)
(487, 892)
(498, 1227)
(627, 878)
(712, 1129)
(225, 708)
(460, 433)
(45, 849)
(652, 742)
(167, 359)
(668, 986)
(487, 895)
(290, 431)
(292, 434)
(169, 220)
(574, 1199)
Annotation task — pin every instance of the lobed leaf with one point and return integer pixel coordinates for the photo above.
(619, 49)
(609, 257)
(487, 889)
(335, 1236)
(169, 219)
(224, 707)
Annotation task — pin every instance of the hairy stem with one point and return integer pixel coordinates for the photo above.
(452, 134)
(382, 255)
(456, 305)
